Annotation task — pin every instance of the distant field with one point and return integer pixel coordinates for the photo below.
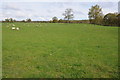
(56, 50)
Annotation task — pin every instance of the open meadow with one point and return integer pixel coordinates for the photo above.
(59, 50)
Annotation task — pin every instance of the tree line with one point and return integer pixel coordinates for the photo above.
(95, 16)
(13, 20)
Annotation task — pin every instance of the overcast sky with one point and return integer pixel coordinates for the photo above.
(39, 10)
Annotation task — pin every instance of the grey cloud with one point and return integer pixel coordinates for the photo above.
(79, 12)
(29, 9)
(107, 4)
(9, 7)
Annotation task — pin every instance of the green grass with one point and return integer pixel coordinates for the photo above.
(52, 50)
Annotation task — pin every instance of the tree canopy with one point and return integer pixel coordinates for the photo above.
(111, 19)
(95, 14)
(55, 19)
(68, 14)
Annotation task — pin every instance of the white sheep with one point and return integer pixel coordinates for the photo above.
(17, 28)
(13, 25)
(13, 28)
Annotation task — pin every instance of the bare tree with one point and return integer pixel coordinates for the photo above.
(68, 14)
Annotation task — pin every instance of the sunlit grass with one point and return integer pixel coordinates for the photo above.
(47, 50)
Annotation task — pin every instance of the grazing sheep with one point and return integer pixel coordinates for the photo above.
(17, 28)
(13, 28)
(13, 25)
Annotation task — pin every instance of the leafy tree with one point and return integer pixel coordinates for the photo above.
(60, 20)
(95, 14)
(55, 19)
(111, 19)
(6, 20)
(28, 20)
(118, 19)
(23, 20)
(14, 20)
(68, 15)
(11, 20)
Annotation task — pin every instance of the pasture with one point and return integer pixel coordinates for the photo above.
(59, 50)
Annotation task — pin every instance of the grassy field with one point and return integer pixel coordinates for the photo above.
(57, 50)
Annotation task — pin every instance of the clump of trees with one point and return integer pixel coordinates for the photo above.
(60, 21)
(68, 17)
(55, 19)
(13, 20)
(10, 20)
(96, 17)
(118, 19)
(28, 20)
(23, 21)
(73, 21)
(111, 19)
